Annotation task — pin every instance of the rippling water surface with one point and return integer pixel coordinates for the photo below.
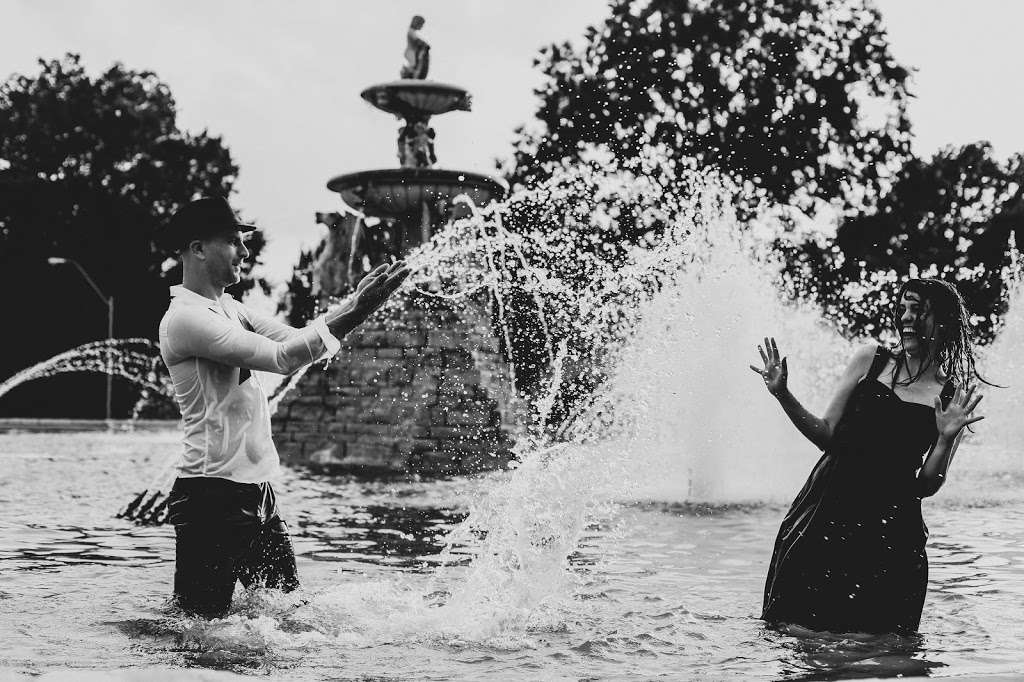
(657, 590)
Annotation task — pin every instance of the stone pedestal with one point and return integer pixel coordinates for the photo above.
(423, 390)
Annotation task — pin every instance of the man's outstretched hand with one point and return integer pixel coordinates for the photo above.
(370, 295)
(374, 289)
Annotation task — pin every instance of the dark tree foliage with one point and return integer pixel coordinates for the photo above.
(89, 168)
(803, 102)
(298, 302)
(956, 212)
(771, 90)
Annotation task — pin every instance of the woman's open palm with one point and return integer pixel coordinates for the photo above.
(775, 372)
(958, 413)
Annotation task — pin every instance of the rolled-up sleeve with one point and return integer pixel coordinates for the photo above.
(278, 331)
(200, 332)
(331, 343)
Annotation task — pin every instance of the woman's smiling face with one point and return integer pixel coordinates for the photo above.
(916, 323)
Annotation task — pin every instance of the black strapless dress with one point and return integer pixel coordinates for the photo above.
(850, 555)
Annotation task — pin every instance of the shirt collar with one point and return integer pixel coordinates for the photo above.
(189, 297)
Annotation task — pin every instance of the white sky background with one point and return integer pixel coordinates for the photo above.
(280, 81)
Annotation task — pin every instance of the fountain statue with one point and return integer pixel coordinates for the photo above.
(447, 407)
(417, 52)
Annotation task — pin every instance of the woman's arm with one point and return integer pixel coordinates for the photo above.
(950, 422)
(933, 473)
(818, 430)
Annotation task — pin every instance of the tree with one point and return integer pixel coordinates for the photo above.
(298, 303)
(776, 91)
(773, 93)
(952, 216)
(803, 103)
(89, 168)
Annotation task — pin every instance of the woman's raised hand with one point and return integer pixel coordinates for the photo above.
(775, 372)
(958, 413)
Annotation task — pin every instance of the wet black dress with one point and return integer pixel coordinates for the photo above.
(850, 554)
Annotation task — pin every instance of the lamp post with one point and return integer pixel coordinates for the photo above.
(109, 302)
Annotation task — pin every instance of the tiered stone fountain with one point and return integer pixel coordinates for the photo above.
(425, 391)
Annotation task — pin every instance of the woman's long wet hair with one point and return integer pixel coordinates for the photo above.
(952, 348)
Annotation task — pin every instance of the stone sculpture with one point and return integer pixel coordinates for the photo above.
(417, 52)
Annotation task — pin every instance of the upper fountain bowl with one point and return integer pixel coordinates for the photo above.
(396, 192)
(417, 98)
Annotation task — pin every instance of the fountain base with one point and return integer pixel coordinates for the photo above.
(423, 390)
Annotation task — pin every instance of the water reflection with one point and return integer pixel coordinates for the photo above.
(659, 590)
(809, 655)
(400, 536)
(38, 546)
(398, 522)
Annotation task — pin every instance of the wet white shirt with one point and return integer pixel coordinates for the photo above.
(211, 349)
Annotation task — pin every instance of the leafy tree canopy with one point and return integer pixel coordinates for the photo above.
(802, 98)
(89, 168)
(952, 216)
(803, 102)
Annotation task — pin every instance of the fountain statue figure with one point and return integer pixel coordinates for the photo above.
(416, 145)
(417, 52)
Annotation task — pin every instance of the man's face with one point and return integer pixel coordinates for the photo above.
(224, 255)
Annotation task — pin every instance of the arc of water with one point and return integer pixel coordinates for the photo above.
(503, 322)
(285, 388)
(419, 260)
(465, 293)
(505, 238)
(134, 359)
(527, 267)
(98, 356)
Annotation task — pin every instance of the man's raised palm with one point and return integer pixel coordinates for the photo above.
(376, 287)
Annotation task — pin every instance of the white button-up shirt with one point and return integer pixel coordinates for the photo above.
(211, 348)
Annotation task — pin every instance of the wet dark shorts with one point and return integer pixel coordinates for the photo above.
(226, 532)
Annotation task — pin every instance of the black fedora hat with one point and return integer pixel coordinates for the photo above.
(201, 218)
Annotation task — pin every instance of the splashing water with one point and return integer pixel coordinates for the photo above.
(524, 526)
(667, 331)
(672, 327)
(706, 429)
(137, 360)
(679, 416)
(1001, 363)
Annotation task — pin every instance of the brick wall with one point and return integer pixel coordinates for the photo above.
(423, 389)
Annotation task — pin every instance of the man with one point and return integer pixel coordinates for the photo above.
(222, 505)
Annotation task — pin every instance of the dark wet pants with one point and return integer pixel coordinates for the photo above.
(227, 532)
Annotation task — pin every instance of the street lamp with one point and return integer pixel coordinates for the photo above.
(109, 301)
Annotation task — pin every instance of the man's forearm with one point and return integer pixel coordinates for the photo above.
(343, 319)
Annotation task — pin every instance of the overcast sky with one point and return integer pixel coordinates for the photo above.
(280, 81)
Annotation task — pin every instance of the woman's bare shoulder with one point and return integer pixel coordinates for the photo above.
(864, 355)
(859, 363)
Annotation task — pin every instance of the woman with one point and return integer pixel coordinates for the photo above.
(850, 553)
